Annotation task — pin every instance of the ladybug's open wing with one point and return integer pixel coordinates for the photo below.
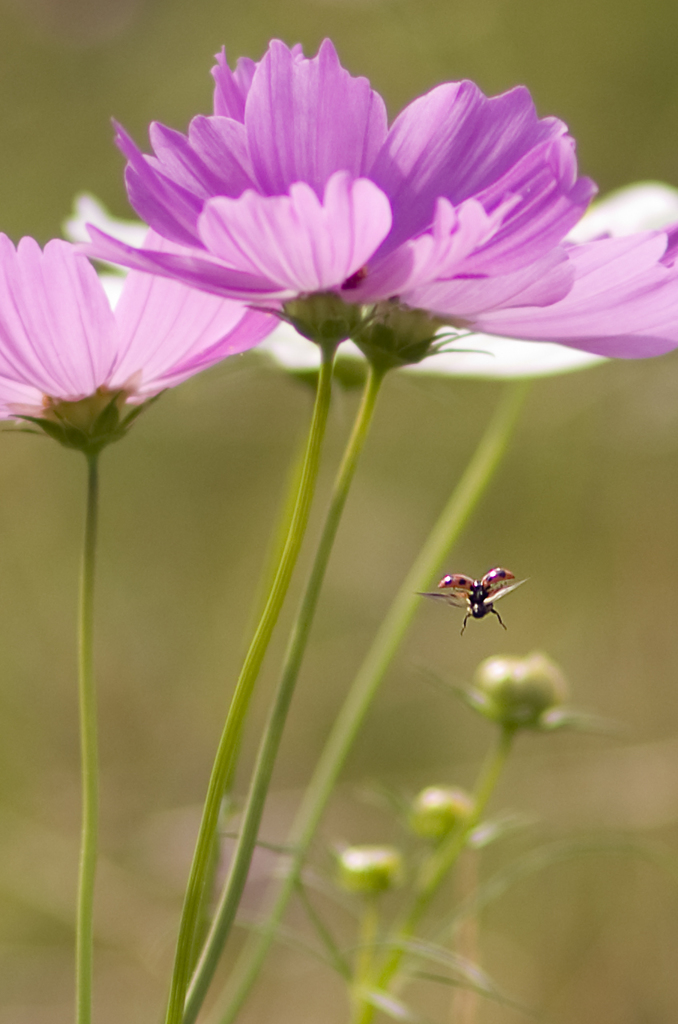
(502, 592)
(459, 598)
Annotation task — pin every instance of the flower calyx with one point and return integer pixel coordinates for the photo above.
(323, 318)
(88, 424)
(394, 335)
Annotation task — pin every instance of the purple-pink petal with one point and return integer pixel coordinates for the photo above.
(57, 331)
(549, 200)
(167, 332)
(59, 338)
(442, 252)
(220, 144)
(454, 142)
(296, 184)
(624, 302)
(168, 207)
(231, 87)
(305, 245)
(17, 398)
(467, 298)
(194, 267)
(180, 159)
(456, 233)
(307, 119)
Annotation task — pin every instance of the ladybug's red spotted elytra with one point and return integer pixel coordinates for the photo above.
(477, 596)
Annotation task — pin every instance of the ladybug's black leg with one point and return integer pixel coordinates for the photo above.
(495, 612)
(466, 618)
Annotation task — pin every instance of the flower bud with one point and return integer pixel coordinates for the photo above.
(438, 809)
(518, 691)
(369, 869)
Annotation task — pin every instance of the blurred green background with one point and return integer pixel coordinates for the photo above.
(586, 505)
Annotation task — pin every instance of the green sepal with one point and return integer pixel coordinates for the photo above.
(323, 318)
(92, 437)
(383, 347)
(393, 335)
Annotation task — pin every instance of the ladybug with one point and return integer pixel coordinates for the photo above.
(477, 596)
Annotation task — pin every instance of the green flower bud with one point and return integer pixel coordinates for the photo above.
(438, 809)
(369, 869)
(518, 691)
(395, 335)
(323, 317)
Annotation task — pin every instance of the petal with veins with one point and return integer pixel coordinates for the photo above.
(305, 245)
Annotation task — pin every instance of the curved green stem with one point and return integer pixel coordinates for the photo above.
(230, 898)
(453, 518)
(226, 756)
(437, 866)
(89, 761)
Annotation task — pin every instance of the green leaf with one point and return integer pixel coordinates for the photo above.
(327, 887)
(378, 794)
(468, 974)
(394, 1008)
(286, 937)
(488, 832)
(323, 932)
(464, 968)
(579, 721)
(262, 843)
(558, 852)
(443, 979)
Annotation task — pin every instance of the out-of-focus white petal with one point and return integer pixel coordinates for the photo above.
(490, 357)
(478, 355)
(113, 285)
(292, 351)
(87, 209)
(645, 206)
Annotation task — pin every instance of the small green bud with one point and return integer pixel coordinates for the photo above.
(518, 691)
(438, 809)
(369, 869)
(395, 335)
(323, 317)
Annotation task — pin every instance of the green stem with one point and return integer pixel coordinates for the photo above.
(369, 931)
(454, 517)
(438, 865)
(89, 760)
(226, 756)
(270, 742)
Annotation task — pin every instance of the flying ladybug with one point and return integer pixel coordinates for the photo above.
(477, 596)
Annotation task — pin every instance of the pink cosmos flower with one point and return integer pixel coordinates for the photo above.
(296, 185)
(60, 341)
